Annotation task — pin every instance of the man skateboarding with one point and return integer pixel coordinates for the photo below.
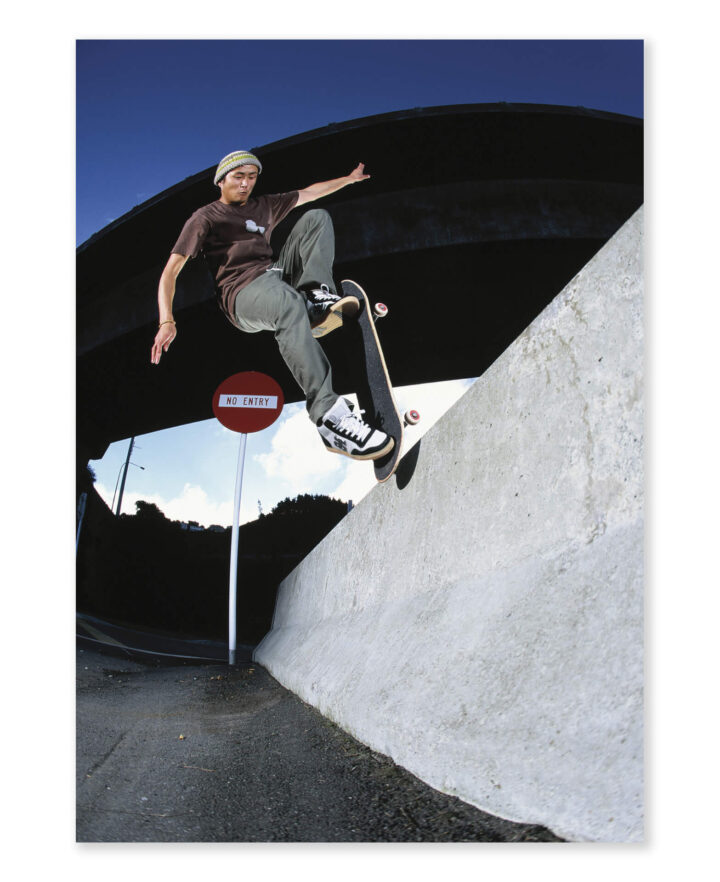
(289, 296)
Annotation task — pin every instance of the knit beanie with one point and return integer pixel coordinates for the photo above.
(233, 160)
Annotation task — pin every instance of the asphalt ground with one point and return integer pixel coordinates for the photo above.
(212, 753)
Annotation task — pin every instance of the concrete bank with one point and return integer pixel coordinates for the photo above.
(485, 629)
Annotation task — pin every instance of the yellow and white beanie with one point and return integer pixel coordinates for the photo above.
(233, 160)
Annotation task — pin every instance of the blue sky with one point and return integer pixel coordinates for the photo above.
(152, 112)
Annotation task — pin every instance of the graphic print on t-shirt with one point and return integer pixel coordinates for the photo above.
(236, 247)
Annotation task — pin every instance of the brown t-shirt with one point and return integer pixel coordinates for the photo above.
(235, 240)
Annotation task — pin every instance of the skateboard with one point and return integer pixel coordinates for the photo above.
(374, 389)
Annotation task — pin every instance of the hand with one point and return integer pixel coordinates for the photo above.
(325, 188)
(358, 174)
(164, 337)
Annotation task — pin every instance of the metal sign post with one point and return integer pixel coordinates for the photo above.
(245, 402)
(232, 604)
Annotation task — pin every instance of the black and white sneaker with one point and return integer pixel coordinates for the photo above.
(327, 311)
(343, 431)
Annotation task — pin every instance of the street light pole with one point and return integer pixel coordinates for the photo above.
(122, 485)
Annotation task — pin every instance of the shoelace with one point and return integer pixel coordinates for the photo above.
(323, 296)
(353, 427)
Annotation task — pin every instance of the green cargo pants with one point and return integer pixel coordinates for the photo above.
(275, 302)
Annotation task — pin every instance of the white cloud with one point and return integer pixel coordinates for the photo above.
(359, 480)
(297, 455)
(193, 504)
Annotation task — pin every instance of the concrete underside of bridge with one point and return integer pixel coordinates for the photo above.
(474, 218)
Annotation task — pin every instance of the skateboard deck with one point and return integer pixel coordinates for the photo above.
(374, 389)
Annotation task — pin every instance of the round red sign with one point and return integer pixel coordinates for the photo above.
(248, 402)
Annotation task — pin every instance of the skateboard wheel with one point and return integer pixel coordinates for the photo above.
(412, 417)
(380, 310)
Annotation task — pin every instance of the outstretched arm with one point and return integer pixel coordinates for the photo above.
(325, 188)
(167, 331)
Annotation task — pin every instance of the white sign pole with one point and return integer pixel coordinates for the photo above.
(232, 604)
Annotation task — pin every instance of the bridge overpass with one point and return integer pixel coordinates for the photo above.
(473, 220)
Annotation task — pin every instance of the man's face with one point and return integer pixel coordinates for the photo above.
(237, 185)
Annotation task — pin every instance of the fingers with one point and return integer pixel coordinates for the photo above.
(161, 344)
(359, 172)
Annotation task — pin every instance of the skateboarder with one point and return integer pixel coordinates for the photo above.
(290, 295)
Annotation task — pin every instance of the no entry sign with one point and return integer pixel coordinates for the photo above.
(248, 402)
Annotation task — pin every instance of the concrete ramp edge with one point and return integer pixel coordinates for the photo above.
(482, 623)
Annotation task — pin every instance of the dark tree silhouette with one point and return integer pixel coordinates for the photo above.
(149, 571)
